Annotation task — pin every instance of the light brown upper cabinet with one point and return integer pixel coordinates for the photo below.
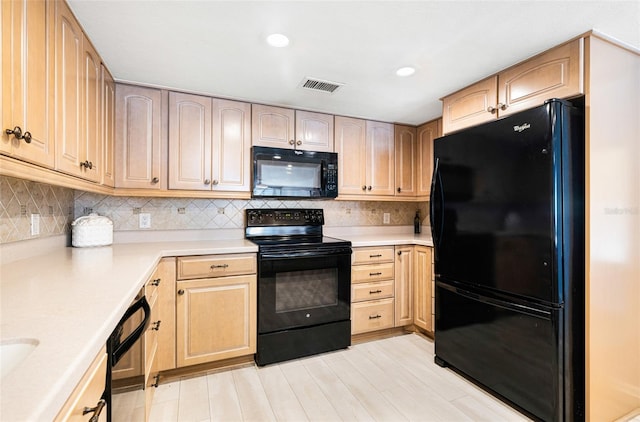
(426, 133)
(108, 128)
(287, 128)
(406, 160)
(366, 158)
(140, 138)
(77, 99)
(27, 80)
(557, 73)
(209, 143)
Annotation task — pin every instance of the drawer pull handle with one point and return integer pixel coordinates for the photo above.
(374, 274)
(155, 282)
(95, 410)
(213, 267)
(375, 256)
(157, 379)
(373, 292)
(375, 316)
(156, 325)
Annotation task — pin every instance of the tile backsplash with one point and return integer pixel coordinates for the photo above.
(19, 199)
(57, 208)
(193, 214)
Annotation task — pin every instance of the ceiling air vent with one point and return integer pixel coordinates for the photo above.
(320, 85)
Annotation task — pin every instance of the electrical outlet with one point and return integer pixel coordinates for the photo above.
(144, 220)
(35, 224)
(386, 218)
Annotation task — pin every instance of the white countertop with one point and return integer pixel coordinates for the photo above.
(71, 299)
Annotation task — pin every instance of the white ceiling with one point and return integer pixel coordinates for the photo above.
(218, 47)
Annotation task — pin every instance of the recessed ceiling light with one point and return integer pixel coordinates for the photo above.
(277, 40)
(406, 71)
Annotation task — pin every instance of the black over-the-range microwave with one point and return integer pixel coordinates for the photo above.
(290, 173)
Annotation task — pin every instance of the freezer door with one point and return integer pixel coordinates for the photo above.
(513, 351)
(494, 209)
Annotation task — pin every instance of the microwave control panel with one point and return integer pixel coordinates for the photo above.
(332, 179)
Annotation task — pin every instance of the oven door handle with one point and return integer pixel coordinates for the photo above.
(306, 253)
(120, 348)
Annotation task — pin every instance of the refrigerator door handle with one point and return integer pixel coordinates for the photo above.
(515, 307)
(436, 182)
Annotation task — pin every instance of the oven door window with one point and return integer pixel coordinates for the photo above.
(303, 291)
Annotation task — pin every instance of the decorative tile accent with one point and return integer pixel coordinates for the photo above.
(21, 198)
(194, 214)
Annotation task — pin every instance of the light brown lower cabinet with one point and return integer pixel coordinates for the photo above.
(423, 288)
(88, 394)
(216, 316)
(404, 282)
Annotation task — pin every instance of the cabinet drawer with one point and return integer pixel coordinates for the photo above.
(88, 392)
(370, 291)
(371, 315)
(151, 287)
(215, 266)
(372, 255)
(365, 273)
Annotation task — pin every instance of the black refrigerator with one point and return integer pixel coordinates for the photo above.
(507, 219)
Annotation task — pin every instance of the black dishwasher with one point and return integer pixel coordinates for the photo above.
(117, 347)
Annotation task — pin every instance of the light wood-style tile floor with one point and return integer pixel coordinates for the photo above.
(392, 379)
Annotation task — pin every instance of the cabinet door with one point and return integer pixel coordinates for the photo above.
(404, 267)
(69, 85)
(189, 141)
(166, 273)
(470, 106)
(556, 73)
(215, 319)
(314, 131)
(272, 126)
(91, 150)
(108, 128)
(231, 136)
(138, 138)
(27, 79)
(350, 142)
(422, 293)
(380, 159)
(424, 166)
(405, 157)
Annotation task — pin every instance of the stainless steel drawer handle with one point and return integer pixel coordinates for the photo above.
(95, 410)
(156, 325)
(156, 282)
(375, 316)
(213, 267)
(373, 292)
(374, 274)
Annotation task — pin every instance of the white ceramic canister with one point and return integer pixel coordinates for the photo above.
(91, 230)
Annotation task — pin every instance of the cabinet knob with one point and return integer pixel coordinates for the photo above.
(399, 190)
(368, 187)
(156, 380)
(364, 187)
(181, 292)
(156, 325)
(207, 181)
(399, 253)
(292, 142)
(155, 180)
(502, 107)
(299, 142)
(17, 132)
(87, 164)
(492, 110)
(215, 182)
(156, 282)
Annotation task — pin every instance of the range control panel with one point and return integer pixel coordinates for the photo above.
(284, 217)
